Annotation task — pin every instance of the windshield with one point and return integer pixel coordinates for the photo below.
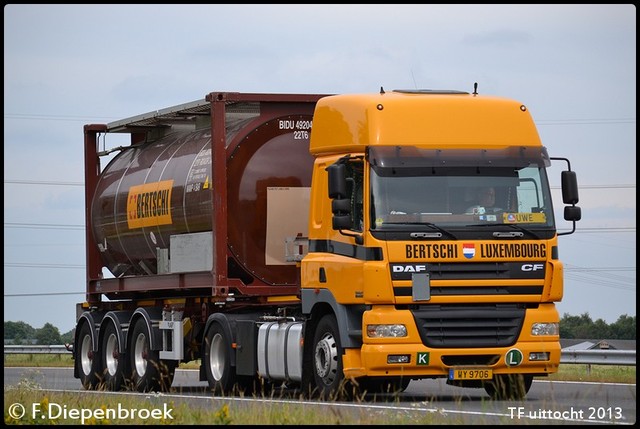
(459, 190)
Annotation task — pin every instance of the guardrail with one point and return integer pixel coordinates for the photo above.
(589, 357)
(599, 357)
(37, 350)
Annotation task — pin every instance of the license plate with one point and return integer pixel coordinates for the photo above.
(470, 374)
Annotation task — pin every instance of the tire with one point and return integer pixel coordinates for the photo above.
(148, 372)
(221, 375)
(86, 361)
(509, 386)
(328, 377)
(217, 360)
(113, 363)
(219, 368)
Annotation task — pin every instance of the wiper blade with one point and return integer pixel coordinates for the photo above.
(525, 230)
(428, 224)
(504, 234)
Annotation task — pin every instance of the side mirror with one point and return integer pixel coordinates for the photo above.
(569, 196)
(569, 187)
(572, 213)
(337, 181)
(341, 209)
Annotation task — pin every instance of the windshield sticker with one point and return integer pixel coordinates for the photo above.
(524, 218)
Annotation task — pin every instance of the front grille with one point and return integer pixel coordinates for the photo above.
(473, 290)
(497, 272)
(471, 326)
(471, 270)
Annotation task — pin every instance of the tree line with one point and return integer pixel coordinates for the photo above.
(21, 333)
(571, 327)
(582, 327)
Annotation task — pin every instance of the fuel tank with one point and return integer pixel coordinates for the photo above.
(152, 194)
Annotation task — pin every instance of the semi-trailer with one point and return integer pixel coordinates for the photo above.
(330, 242)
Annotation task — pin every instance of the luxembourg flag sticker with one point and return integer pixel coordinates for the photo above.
(469, 250)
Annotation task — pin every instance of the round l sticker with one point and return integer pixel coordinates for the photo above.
(513, 357)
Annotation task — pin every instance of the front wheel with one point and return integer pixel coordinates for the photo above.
(509, 386)
(328, 377)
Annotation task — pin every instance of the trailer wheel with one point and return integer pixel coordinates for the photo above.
(327, 359)
(148, 372)
(509, 386)
(217, 360)
(87, 362)
(113, 362)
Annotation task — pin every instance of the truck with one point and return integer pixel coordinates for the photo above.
(322, 242)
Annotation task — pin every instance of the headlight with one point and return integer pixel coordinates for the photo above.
(384, 331)
(545, 329)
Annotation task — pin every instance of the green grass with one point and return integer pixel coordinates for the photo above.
(596, 373)
(218, 411)
(38, 360)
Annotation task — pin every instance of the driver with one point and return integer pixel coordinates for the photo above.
(486, 200)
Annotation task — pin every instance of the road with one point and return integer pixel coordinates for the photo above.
(548, 402)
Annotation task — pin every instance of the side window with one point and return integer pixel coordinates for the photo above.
(355, 179)
(529, 196)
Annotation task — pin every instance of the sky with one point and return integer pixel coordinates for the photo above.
(65, 66)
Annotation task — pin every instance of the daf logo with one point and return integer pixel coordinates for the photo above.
(532, 267)
(409, 268)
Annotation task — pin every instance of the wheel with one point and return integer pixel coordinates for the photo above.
(86, 361)
(328, 377)
(148, 372)
(221, 375)
(113, 362)
(509, 386)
